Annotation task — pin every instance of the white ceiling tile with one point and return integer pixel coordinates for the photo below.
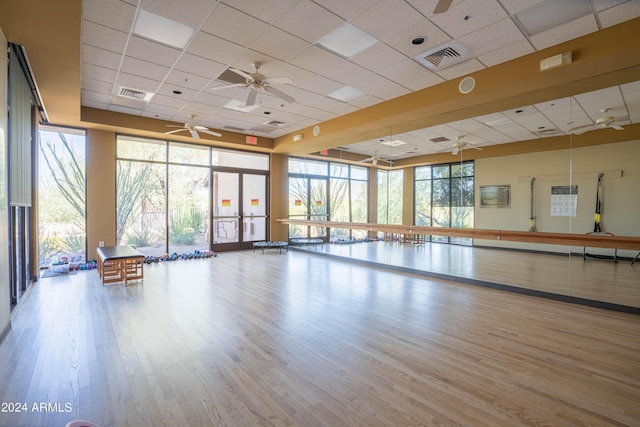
(199, 66)
(506, 53)
(266, 10)
(297, 21)
(97, 86)
(563, 33)
(378, 57)
(434, 37)
(192, 16)
(214, 48)
(102, 74)
(103, 37)
(347, 10)
(496, 36)
(600, 5)
(89, 96)
(149, 51)
(620, 13)
(137, 82)
(146, 69)
(100, 57)
(113, 14)
(224, 23)
(387, 18)
(180, 79)
(516, 6)
(125, 110)
(279, 44)
(480, 13)
(167, 101)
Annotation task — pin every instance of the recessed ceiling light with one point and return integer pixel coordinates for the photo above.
(237, 105)
(346, 94)
(348, 40)
(418, 40)
(394, 143)
(163, 30)
(552, 13)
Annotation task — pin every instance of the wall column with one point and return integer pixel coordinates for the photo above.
(101, 189)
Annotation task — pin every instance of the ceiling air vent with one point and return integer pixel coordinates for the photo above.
(274, 123)
(234, 129)
(439, 139)
(127, 92)
(443, 56)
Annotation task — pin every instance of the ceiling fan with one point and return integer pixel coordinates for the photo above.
(442, 6)
(375, 159)
(192, 128)
(256, 81)
(460, 144)
(600, 123)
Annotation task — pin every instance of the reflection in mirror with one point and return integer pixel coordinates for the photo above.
(541, 183)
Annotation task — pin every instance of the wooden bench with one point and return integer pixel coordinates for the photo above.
(120, 263)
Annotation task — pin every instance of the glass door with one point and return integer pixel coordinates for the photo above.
(239, 210)
(226, 210)
(254, 207)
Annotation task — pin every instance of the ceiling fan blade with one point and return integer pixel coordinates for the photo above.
(455, 151)
(581, 129)
(251, 99)
(210, 132)
(227, 86)
(278, 81)
(442, 6)
(279, 94)
(194, 133)
(241, 73)
(175, 131)
(617, 127)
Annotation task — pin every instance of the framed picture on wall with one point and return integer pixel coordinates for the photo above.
(495, 196)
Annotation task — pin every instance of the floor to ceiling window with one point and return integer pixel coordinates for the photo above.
(179, 198)
(322, 190)
(444, 197)
(61, 195)
(390, 196)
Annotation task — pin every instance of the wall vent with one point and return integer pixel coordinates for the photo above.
(127, 92)
(443, 56)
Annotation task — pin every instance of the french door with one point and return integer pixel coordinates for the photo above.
(239, 211)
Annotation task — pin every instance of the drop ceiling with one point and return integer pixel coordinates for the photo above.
(285, 35)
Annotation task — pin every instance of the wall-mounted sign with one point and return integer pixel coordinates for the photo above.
(564, 200)
(226, 203)
(495, 196)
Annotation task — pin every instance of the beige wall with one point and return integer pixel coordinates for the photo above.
(5, 300)
(101, 189)
(580, 166)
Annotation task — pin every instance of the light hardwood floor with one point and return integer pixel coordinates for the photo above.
(247, 339)
(563, 275)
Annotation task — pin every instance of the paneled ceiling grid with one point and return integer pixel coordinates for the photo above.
(283, 35)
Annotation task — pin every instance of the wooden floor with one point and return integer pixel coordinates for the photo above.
(247, 339)
(598, 280)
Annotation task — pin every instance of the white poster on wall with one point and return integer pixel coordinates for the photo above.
(564, 200)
